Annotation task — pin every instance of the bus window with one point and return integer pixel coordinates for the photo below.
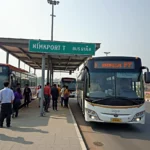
(2, 79)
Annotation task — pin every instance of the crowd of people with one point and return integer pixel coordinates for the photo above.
(11, 101)
(56, 93)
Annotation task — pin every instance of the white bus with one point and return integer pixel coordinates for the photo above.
(111, 89)
(71, 83)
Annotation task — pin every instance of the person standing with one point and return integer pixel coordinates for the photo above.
(27, 95)
(17, 102)
(47, 94)
(6, 99)
(55, 94)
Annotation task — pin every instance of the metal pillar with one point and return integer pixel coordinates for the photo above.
(49, 75)
(34, 71)
(52, 27)
(7, 57)
(52, 32)
(42, 83)
(29, 69)
(52, 75)
(50, 72)
(18, 63)
(48, 67)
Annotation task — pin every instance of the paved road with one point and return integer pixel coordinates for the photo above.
(102, 136)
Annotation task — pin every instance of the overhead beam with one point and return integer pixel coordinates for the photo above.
(53, 60)
(6, 50)
(58, 69)
(68, 63)
(23, 51)
(71, 65)
(61, 65)
(28, 56)
(64, 68)
(61, 71)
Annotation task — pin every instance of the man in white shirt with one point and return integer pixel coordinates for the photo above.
(62, 95)
(6, 99)
(39, 92)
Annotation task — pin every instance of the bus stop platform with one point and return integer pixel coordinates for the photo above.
(56, 131)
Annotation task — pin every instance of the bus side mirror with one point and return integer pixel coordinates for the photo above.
(147, 77)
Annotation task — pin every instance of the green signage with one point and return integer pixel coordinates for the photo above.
(61, 47)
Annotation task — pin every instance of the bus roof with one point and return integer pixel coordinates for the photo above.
(16, 69)
(115, 57)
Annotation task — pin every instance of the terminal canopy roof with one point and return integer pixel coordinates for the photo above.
(19, 49)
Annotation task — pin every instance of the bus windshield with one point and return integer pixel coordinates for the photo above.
(71, 84)
(115, 84)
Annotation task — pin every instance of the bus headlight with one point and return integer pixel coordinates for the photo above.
(138, 116)
(92, 114)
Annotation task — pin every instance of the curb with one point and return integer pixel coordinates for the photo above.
(83, 146)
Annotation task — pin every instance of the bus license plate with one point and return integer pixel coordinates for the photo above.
(116, 120)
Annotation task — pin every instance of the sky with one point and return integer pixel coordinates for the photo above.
(121, 26)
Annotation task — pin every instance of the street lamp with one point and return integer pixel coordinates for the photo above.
(52, 2)
(106, 53)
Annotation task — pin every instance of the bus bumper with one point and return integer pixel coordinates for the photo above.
(94, 117)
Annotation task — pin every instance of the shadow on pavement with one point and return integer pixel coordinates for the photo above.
(23, 129)
(30, 117)
(4, 137)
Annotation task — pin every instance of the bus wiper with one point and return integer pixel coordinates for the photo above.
(129, 99)
(100, 99)
(138, 99)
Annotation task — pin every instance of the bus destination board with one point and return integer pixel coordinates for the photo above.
(114, 64)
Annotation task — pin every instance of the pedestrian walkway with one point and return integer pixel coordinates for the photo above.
(147, 100)
(55, 131)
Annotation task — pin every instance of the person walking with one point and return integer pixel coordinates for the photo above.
(59, 89)
(47, 94)
(39, 93)
(66, 96)
(17, 102)
(55, 94)
(27, 95)
(62, 95)
(6, 99)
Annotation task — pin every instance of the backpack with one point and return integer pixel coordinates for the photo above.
(66, 93)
